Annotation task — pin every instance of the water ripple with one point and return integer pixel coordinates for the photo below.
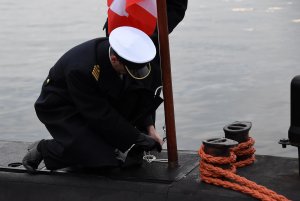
(243, 9)
(296, 20)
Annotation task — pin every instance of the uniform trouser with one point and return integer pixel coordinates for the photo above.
(73, 143)
(51, 156)
(55, 158)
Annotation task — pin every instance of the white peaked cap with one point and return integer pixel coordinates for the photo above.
(132, 44)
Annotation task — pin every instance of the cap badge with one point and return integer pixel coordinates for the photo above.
(96, 72)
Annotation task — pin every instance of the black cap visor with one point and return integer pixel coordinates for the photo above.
(139, 73)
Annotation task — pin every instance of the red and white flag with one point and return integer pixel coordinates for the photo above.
(141, 14)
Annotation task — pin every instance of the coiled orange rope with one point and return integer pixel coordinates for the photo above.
(211, 174)
(245, 149)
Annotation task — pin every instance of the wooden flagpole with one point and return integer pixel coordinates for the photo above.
(167, 82)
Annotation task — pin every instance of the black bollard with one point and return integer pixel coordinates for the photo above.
(238, 131)
(294, 130)
(219, 147)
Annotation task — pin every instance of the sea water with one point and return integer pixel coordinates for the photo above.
(232, 60)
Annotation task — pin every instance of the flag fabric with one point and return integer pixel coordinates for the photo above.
(141, 14)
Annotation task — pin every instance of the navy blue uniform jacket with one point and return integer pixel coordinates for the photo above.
(89, 110)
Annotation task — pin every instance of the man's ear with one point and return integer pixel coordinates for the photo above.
(113, 59)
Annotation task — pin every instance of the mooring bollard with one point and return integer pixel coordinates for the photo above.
(239, 131)
(294, 130)
(219, 147)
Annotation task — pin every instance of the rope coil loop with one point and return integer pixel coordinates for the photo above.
(211, 172)
(239, 131)
(245, 153)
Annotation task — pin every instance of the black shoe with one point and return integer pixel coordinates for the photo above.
(33, 158)
(147, 143)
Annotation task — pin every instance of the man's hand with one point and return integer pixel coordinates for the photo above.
(154, 134)
(147, 143)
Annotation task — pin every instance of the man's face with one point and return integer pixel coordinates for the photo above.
(120, 68)
(117, 65)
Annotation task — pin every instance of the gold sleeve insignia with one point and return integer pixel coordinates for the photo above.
(96, 72)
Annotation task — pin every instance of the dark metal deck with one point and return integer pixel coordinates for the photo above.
(150, 182)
